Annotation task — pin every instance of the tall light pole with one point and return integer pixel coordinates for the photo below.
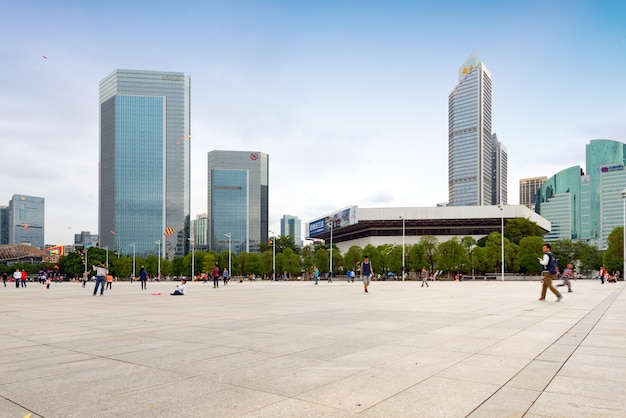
(273, 256)
(133, 245)
(501, 206)
(229, 236)
(193, 259)
(159, 260)
(107, 256)
(330, 271)
(403, 269)
(624, 237)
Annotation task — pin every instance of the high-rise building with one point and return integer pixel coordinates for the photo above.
(499, 169)
(469, 137)
(200, 229)
(4, 225)
(86, 238)
(528, 190)
(291, 226)
(144, 162)
(26, 220)
(586, 206)
(237, 200)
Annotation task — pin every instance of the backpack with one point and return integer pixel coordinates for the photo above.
(552, 265)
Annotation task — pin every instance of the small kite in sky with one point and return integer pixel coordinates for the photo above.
(44, 57)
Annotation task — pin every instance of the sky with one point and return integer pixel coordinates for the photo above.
(348, 98)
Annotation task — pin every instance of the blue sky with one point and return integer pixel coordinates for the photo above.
(349, 98)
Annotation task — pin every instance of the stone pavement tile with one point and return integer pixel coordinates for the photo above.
(14, 342)
(573, 338)
(372, 355)
(186, 398)
(597, 339)
(485, 369)
(362, 390)
(291, 382)
(116, 344)
(455, 330)
(295, 408)
(9, 409)
(495, 332)
(592, 368)
(601, 351)
(426, 363)
(535, 376)
(183, 359)
(558, 405)
(422, 341)
(24, 358)
(593, 388)
(434, 397)
(507, 402)
(468, 344)
(332, 350)
(219, 366)
(557, 352)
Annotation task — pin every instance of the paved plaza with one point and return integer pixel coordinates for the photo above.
(263, 349)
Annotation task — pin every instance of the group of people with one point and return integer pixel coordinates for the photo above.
(606, 277)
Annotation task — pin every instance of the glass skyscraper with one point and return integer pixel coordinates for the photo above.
(586, 206)
(237, 200)
(470, 156)
(291, 226)
(144, 162)
(26, 220)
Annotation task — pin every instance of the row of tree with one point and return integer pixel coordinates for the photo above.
(522, 246)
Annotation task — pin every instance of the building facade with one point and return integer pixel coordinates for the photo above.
(144, 162)
(200, 229)
(586, 206)
(291, 226)
(528, 190)
(470, 155)
(26, 220)
(499, 169)
(4, 225)
(237, 210)
(86, 238)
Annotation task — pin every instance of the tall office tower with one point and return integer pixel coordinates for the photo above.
(4, 225)
(528, 190)
(26, 220)
(291, 226)
(144, 162)
(469, 137)
(86, 238)
(237, 200)
(499, 169)
(200, 227)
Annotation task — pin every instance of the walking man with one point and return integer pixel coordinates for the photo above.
(367, 271)
(424, 276)
(143, 277)
(216, 276)
(24, 277)
(101, 273)
(549, 269)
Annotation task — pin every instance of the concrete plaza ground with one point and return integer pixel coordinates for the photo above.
(263, 349)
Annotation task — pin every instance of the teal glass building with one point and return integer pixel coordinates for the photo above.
(237, 200)
(586, 206)
(144, 162)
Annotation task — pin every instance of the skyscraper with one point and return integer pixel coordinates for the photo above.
(26, 220)
(499, 168)
(237, 200)
(144, 162)
(4, 225)
(469, 137)
(528, 190)
(291, 226)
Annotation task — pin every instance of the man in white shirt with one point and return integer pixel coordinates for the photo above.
(101, 273)
(180, 289)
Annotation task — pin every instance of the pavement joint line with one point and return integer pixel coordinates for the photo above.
(602, 306)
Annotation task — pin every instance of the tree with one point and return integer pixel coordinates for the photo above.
(451, 255)
(529, 252)
(353, 257)
(429, 243)
(613, 257)
(589, 258)
(518, 228)
(469, 244)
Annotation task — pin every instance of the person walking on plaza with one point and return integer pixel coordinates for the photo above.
(567, 274)
(85, 278)
(17, 277)
(101, 273)
(109, 281)
(143, 277)
(216, 276)
(316, 273)
(367, 271)
(549, 269)
(424, 276)
(4, 278)
(225, 276)
(24, 277)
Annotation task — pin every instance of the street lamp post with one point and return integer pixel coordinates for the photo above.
(193, 260)
(330, 271)
(501, 206)
(133, 245)
(229, 236)
(403, 268)
(158, 260)
(107, 256)
(624, 237)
